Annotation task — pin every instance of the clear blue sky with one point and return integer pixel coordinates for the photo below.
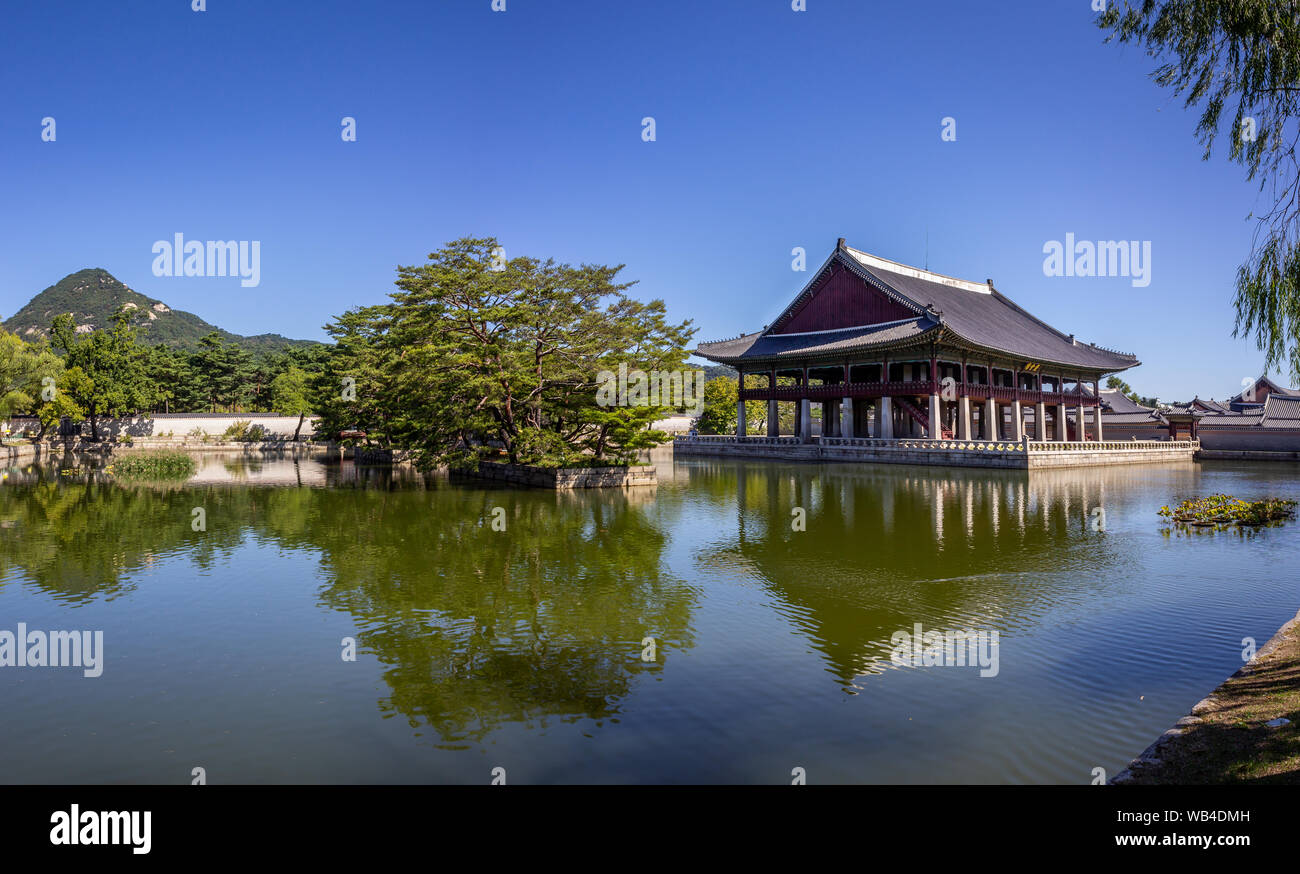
(775, 129)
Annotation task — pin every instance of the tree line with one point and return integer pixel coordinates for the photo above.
(109, 372)
(474, 354)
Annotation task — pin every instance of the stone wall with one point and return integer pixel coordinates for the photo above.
(181, 424)
(1249, 438)
(1002, 455)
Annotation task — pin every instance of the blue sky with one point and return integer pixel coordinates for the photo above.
(775, 129)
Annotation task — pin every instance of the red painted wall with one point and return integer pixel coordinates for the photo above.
(843, 300)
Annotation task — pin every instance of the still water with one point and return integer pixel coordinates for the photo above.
(525, 649)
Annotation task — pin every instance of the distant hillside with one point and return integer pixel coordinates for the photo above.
(93, 295)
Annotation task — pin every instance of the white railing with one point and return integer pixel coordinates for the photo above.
(748, 440)
(1113, 445)
(923, 443)
(946, 445)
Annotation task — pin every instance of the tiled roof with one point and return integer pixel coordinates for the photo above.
(760, 345)
(1120, 402)
(986, 317)
(1135, 418)
(1272, 387)
(1282, 412)
(1231, 419)
(972, 311)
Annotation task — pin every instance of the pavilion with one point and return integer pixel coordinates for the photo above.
(895, 351)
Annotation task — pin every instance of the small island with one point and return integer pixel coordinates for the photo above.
(1224, 510)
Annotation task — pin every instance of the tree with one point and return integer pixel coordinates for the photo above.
(290, 394)
(71, 384)
(721, 394)
(1125, 389)
(24, 367)
(110, 364)
(1242, 56)
(477, 350)
(227, 374)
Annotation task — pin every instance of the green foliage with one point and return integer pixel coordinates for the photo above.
(1226, 510)
(721, 395)
(161, 464)
(110, 369)
(720, 398)
(237, 430)
(291, 393)
(23, 367)
(1240, 58)
(474, 351)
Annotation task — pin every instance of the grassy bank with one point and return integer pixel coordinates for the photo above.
(1227, 739)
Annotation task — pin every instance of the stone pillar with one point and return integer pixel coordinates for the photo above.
(848, 428)
(1062, 431)
(1017, 421)
(832, 415)
(1082, 429)
(805, 420)
(773, 419)
(885, 419)
(1096, 412)
(936, 419)
(991, 417)
(1040, 421)
(740, 418)
(963, 419)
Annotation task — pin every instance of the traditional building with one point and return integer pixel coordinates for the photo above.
(1263, 421)
(1253, 397)
(892, 351)
(1125, 419)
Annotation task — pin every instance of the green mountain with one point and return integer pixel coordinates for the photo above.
(94, 295)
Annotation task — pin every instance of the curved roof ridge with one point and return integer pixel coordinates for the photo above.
(870, 260)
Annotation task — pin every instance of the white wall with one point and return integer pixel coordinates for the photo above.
(215, 424)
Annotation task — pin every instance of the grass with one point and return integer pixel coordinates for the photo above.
(1231, 741)
(161, 464)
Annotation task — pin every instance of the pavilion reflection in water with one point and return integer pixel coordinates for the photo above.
(886, 547)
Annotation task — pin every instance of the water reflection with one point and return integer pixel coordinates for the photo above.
(885, 547)
(771, 642)
(542, 615)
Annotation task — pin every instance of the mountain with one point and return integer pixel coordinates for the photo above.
(94, 295)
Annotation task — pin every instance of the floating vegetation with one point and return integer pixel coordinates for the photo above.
(1225, 510)
(158, 464)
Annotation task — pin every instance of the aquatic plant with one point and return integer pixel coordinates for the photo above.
(1227, 510)
(159, 464)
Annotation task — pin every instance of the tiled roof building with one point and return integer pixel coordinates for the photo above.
(891, 350)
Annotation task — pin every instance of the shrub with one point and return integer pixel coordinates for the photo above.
(236, 430)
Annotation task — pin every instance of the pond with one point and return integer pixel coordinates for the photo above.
(731, 625)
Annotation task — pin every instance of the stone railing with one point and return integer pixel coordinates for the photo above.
(913, 443)
(923, 443)
(748, 440)
(1105, 445)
